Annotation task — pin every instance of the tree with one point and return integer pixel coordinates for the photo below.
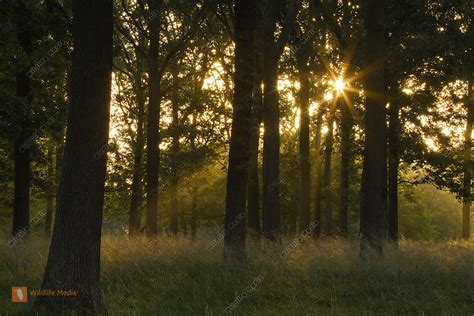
(346, 154)
(373, 205)
(466, 203)
(49, 193)
(153, 137)
(326, 175)
(318, 161)
(271, 114)
(253, 190)
(237, 175)
(156, 70)
(21, 200)
(304, 141)
(74, 257)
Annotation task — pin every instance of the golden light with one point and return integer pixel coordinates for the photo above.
(339, 85)
(328, 96)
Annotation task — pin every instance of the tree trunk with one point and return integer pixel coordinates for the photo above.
(194, 212)
(49, 193)
(326, 177)
(174, 170)
(271, 121)
(136, 196)
(346, 144)
(74, 257)
(21, 198)
(373, 210)
(466, 205)
(318, 161)
(253, 189)
(153, 127)
(393, 166)
(236, 197)
(304, 155)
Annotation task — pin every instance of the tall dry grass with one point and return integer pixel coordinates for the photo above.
(176, 276)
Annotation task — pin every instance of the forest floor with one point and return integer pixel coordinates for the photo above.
(176, 276)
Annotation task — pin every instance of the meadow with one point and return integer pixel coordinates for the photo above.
(177, 276)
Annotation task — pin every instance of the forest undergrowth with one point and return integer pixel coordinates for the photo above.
(177, 276)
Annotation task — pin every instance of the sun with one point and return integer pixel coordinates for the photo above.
(339, 85)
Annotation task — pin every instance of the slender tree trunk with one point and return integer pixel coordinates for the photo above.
(373, 210)
(318, 161)
(21, 198)
(253, 189)
(236, 197)
(194, 212)
(195, 188)
(393, 166)
(49, 193)
(174, 170)
(74, 257)
(136, 196)
(153, 127)
(326, 178)
(304, 155)
(346, 154)
(466, 205)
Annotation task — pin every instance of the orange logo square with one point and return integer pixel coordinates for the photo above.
(19, 294)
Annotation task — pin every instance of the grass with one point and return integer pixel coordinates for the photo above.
(175, 276)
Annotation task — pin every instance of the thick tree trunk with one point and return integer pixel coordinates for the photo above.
(304, 155)
(393, 166)
(74, 257)
(346, 154)
(466, 205)
(21, 198)
(326, 177)
(49, 193)
(153, 127)
(136, 196)
(271, 152)
(236, 197)
(271, 121)
(318, 161)
(373, 210)
(174, 207)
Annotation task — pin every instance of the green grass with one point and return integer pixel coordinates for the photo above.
(171, 276)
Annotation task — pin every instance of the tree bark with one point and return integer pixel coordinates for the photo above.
(153, 127)
(237, 176)
(373, 210)
(346, 154)
(49, 193)
(466, 205)
(22, 176)
(174, 207)
(393, 166)
(253, 189)
(318, 161)
(326, 176)
(136, 196)
(271, 121)
(304, 155)
(74, 257)
(194, 212)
